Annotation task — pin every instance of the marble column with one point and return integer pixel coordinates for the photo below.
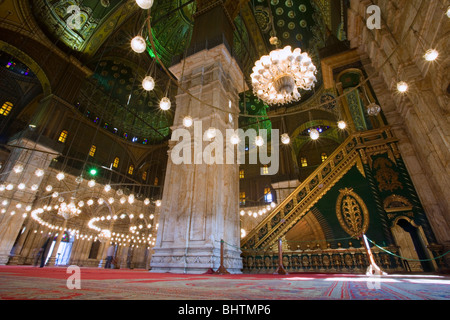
(27, 253)
(103, 251)
(16, 251)
(200, 204)
(104, 248)
(52, 260)
(30, 156)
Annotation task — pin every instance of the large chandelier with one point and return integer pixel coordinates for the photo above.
(276, 78)
(68, 211)
(104, 235)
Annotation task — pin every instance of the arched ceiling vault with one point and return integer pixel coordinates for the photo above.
(98, 19)
(108, 25)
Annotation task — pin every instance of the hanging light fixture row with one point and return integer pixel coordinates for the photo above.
(276, 79)
(259, 212)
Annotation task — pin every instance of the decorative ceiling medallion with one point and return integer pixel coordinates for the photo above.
(263, 19)
(352, 212)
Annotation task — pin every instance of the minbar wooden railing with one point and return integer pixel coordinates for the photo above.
(297, 204)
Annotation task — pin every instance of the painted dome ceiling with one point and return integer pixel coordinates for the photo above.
(108, 23)
(96, 20)
(172, 25)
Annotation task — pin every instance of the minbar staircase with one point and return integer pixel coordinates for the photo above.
(299, 202)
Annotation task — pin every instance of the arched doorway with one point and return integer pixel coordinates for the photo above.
(409, 237)
(64, 250)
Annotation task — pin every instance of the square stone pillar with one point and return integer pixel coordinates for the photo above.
(31, 155)
(200, 205)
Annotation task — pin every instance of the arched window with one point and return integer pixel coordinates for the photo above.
(92, 151)
(131, 170)
(265, 170)
(93, 253)
(304, 162)
(241, 174)
(144, 175)
(268, 195)
(242, 198)
(156, 182)
(63, 136)
(116, 162)
(6, 109)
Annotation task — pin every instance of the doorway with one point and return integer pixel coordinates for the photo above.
(411, 242)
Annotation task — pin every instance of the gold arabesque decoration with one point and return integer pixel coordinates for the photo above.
(352, 212)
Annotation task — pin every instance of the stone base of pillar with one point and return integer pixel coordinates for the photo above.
(15, 260)
(446, 267)
(51, 262)
(4, 259)
(194, 261)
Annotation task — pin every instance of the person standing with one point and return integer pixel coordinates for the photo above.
(109, 256)
(44, 251)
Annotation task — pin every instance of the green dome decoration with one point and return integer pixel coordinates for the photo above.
(172, 25)
(254, 107)
(114, 96)
(92, 16)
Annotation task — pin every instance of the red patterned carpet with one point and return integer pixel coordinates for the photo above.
(31, 283)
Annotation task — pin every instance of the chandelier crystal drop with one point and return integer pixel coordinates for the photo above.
(148, 83)
(276, 78)
(60, 176)
(373, 109)
(188, 121)
(259, 141)
(314, 134)
(104, 235)
(285, 139)
(402, 86)
(79, 179)
(144, 4)
(211, 133)
(431, 55)
(138, 44)
(18, 168)
(342, 125)
(235, 139)
(165, 104)
(68, 211)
